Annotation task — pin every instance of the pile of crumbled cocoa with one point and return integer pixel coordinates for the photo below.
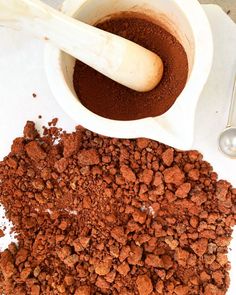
(96, 215)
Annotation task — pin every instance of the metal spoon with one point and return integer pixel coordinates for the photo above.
(227, 140)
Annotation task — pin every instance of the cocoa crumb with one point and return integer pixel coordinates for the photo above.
(61, 165)
(200, 246)
(88, 157)
(168, 156)
(71, 144)
(83, 290)
(30, 132)
(35, 151)
(53, 122)
(183, 190)
(123, 268)
(1, 233)
(174, 175)
(142, 143)
(118, 234)
(127, 173)
(144, 285)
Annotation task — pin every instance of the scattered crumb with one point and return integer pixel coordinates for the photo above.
(1, 233)
(53, 122)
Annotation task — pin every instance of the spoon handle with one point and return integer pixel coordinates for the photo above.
(232, 105)
(121, 60)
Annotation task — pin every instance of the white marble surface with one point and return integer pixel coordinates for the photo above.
(213, 105)
(228, 5)
(22, 73)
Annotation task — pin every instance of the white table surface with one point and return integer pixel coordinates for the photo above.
(22, 73)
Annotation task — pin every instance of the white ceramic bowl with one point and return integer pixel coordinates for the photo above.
(188, 22)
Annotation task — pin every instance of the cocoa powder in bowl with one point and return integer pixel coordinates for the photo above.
(97, 215)
(111, 100)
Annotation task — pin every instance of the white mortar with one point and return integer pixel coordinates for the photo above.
(188, 22)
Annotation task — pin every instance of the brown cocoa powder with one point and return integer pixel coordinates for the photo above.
(1, 233)
(97, 215)
(111, 100)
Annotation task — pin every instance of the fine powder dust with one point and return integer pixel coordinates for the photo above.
(111, 100)
(96, 215)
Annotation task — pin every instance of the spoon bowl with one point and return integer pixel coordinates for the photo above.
(227, 142)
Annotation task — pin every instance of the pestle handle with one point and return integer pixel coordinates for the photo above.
(117, 58)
